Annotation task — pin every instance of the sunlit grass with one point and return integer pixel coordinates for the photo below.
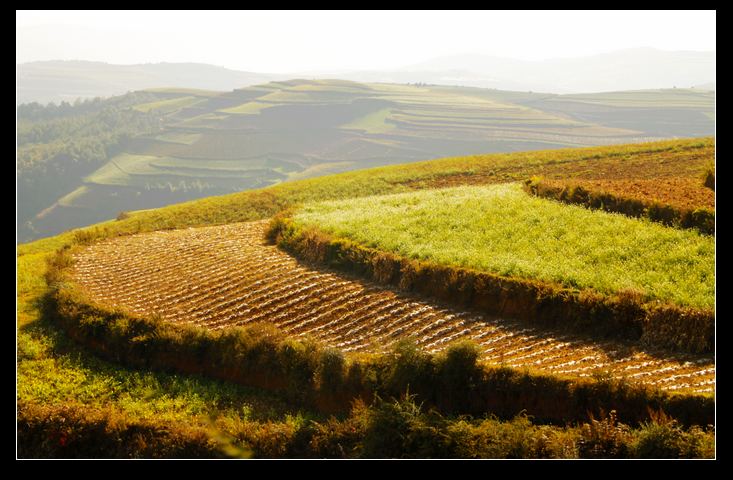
(52, 370)
(503, 230)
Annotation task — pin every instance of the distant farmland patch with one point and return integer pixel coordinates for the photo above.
(249, 108)
(372, 123)
(354, 125)
(167, 106)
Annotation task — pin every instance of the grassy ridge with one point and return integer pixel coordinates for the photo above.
(397, 429)
(679, 157)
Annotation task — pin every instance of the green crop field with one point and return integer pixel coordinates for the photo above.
(682, 98)
(168, 106)
(503, 230)
(249, 108)
(372, 123)
(178, 137)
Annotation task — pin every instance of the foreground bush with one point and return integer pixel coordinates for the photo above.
(396, 428)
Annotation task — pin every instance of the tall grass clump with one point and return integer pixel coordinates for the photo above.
(708, 178)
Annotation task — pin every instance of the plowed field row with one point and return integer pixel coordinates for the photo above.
(221, 276)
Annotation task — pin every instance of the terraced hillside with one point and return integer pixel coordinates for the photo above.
(126, 345)
(224, 276)
(209, 143)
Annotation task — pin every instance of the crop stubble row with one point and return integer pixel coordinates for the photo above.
(221, 276)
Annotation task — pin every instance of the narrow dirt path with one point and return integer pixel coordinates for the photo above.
(221, 276)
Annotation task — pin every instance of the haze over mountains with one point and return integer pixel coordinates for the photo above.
(630, 69)
(58, 80)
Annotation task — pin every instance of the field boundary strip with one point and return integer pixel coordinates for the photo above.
(702, 219)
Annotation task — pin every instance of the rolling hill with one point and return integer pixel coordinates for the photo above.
(195, 143)
(629, 69)
(154, 335)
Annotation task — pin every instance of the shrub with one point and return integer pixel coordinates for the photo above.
(663, 437)
(708, 178)
(605, 438)
(77, 431)
(398, 429)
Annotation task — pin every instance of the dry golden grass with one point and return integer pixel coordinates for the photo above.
(679, 192)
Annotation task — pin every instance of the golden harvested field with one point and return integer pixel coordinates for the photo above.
(688, 163)
(680, 192)
(222, 276)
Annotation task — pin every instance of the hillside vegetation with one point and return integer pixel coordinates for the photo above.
(72, 403)
(673, 158)
(200, 143)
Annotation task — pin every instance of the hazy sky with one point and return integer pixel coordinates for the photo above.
(279, 42)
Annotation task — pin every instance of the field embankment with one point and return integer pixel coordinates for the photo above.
(680, 202)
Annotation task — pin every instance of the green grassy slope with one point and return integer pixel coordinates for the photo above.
(503, 230)
(210, 143)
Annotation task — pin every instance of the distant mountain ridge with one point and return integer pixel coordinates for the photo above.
(631, 69)
(57, 81)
